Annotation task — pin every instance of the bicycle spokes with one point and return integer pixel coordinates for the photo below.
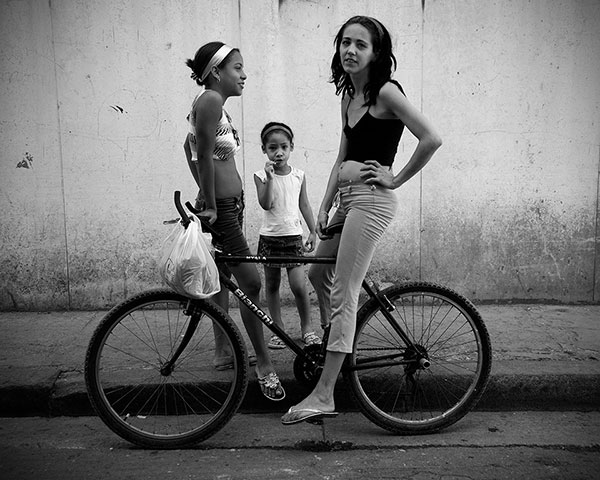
(434, 376)
(150, 370)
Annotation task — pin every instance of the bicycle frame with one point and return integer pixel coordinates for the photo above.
(265, 318)
(372, 292)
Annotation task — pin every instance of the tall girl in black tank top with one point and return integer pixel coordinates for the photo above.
(374, 113)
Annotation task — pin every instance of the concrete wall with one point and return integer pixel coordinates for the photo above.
(92, 118)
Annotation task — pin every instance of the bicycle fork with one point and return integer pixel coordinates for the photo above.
(167, 368)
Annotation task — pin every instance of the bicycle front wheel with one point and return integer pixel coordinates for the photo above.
(150, 375)
(421, 361)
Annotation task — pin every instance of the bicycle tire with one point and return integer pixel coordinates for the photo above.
(168, 409)
(449, 333)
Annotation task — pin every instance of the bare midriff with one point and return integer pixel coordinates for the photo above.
(227, 179)
(349, 171)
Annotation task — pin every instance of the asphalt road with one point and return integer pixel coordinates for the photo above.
(484, 445)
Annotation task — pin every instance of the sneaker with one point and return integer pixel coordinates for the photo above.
(276, 343)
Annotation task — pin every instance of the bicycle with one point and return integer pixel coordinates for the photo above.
(420, 362)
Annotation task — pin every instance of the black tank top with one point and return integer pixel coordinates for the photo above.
(373, 139)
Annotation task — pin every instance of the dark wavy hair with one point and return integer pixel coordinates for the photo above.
(382, 67)
(202, 57)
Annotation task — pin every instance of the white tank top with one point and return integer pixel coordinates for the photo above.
(284, 217)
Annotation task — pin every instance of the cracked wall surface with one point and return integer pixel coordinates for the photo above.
(94, 97)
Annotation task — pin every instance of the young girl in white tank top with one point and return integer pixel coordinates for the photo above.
(282, 194)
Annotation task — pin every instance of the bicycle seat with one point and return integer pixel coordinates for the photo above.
(333, 228)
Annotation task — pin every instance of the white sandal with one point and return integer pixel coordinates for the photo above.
(276, 343)
(271, 387)
(311, 338)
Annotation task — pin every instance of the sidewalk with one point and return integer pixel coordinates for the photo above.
(546, 357)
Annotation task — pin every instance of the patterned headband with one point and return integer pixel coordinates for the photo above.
(216, 59)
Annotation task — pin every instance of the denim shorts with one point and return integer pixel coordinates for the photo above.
(284, 246)
(229, 223)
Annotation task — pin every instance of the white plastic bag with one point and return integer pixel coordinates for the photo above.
(186, 264)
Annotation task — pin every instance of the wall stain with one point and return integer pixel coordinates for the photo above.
(27, 161)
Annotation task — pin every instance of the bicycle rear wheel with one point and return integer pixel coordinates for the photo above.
(145, 399)
(433, 383)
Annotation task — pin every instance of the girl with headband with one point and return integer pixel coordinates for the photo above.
(210, 148)
(374, 112)
(281, 190)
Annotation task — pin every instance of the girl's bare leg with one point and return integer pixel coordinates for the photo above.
(272, 284)
(298, 287)
(249, 281)
(222, 349)
(321, 277)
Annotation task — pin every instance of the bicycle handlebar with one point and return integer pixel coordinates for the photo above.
(185, 219)
(333, 228)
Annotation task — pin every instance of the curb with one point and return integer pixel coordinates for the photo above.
(560, 386)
